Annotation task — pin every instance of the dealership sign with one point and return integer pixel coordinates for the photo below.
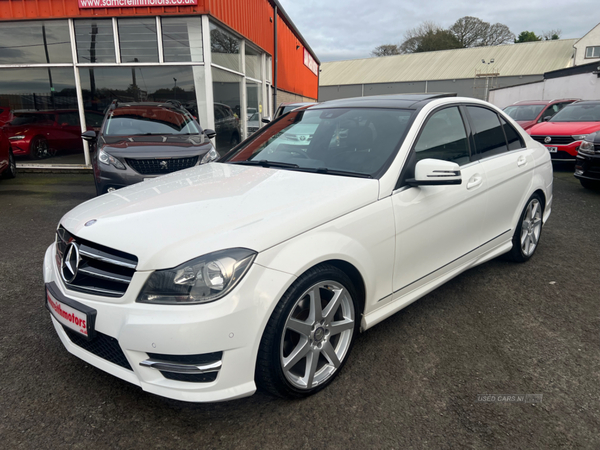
(309, 62)
(133, 3)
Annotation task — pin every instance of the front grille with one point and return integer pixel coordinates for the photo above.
(556, 140)
(102, 345)
(100, 270)
(160, 166)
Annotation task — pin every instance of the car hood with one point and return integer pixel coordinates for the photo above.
(525, 124)
(174, 218)
(156, 146)
(563, 128)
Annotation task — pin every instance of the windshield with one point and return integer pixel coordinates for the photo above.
(579, 113)
(144, 120)
(524, 112)
(352, 140)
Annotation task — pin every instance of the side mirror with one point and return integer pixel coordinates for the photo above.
(266, 120)
(89, 135)
(547, 118)
(435, 172)
(210, 133)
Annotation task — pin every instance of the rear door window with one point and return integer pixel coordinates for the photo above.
(513, 138)
(487, 131)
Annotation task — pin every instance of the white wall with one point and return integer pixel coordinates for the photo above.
(592, 39)
(585, 86)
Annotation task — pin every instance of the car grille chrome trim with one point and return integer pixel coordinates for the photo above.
(160, 166)
(99, 270)
(555, 140)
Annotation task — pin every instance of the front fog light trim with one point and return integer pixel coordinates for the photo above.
(200, 280)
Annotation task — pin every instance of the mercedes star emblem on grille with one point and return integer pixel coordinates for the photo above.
(163, 165)
(547, 139)
(70, 263)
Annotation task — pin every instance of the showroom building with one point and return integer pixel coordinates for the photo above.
(229, 62)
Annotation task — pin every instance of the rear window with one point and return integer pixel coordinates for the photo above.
(578, 113)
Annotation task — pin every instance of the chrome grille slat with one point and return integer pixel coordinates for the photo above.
(100, 270)
(104, 257)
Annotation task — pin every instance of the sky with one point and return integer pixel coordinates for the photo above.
(351, 29)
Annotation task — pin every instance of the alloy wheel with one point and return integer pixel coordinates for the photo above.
(531, 227)
(317, 335)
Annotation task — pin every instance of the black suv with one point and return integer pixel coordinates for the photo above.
(587, 164)
(145, 140)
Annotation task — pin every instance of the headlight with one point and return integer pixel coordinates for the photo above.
(200, 280)
(16, 138)
(587, 147)
(107, 159)
(579, 137)
(210, 156)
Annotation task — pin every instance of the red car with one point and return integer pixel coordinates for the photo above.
(5, 115)
(563, 134)
(529, 112)
(8, 168)
(39, 134)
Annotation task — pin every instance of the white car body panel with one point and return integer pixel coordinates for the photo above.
(294, 221)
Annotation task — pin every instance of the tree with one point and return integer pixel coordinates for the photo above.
(474, 32)
(386, 50)
(551, 35)
(428, 37)
(527, 36)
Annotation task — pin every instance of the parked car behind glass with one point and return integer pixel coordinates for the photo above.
(39, 134)
(8, 168)
(138, 141)
(529, 112)
(261, 269)
(563, 134)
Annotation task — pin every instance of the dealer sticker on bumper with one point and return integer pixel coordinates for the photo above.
(72, 317)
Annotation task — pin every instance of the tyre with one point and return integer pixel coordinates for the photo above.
(38, 148)
(589, 184)
(11, 170)
(529, 229)
(309, 335)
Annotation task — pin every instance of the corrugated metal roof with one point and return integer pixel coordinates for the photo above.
(529, 58)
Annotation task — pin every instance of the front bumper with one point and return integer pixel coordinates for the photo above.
(230, 327)
(587, 166)
(565, 152)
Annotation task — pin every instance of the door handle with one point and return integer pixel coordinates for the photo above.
(474, 181)
(521, 161)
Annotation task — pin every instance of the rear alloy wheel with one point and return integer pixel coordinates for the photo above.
(528, 232)
(309, 335)
(38, 148)
(11, 170)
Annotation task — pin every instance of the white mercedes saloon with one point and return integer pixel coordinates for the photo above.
(261, 268)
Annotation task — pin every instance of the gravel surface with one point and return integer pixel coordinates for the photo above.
(411, 382)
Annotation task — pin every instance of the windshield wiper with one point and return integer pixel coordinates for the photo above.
(344, 173)
(265, 163)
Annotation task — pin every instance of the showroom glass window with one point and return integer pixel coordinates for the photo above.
(227, 92)
(38, 89)
(101, 85)
(137, 38)
(95, 41)
(225, 48)
(444, 137)
(182, 39)
(253, 62)
(487, 130)
(35, 42)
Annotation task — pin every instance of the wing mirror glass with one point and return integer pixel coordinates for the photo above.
(210, 133)
(266, 120)
(547, 118)
(89, 135)
(435, 172)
